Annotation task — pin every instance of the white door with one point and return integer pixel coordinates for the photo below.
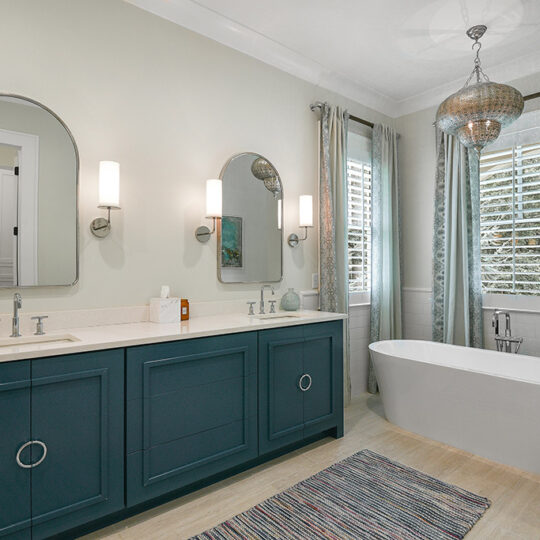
(27, 146)
(8, 224)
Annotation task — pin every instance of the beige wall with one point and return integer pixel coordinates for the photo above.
(171, 106)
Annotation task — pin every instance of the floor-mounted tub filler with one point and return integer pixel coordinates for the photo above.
(485, 402)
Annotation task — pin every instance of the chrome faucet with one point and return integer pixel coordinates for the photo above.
(17, 304)
(261, 304)
(504, 342)
(496, 322)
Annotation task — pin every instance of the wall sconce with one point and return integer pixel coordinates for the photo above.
(213, 210)
(109, 196)
(305, 210)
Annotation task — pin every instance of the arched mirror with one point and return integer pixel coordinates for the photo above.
(250, 237)
(39, 167)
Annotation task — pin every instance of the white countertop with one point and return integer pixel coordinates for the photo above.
(113, 336)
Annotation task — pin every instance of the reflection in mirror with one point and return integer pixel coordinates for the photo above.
(250, 236)
(38, 196)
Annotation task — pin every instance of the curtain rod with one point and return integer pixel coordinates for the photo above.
(318, 105)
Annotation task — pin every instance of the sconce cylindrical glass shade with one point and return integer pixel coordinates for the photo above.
(213, 198)
(279, 213)
(305, 208)
(109, 184)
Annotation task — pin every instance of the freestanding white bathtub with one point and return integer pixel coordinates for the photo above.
(485, 402)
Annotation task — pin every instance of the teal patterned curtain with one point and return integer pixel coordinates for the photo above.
(385, 241)
(333, 258)
(457, 281)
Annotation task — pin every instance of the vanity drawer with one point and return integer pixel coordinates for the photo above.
(191, 411)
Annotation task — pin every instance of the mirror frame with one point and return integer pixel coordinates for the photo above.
(218, 226)
(77, 190)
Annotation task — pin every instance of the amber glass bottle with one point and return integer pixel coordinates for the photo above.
(184, 310)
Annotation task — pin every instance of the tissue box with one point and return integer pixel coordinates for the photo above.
(165, 310)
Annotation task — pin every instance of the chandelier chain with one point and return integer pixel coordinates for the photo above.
(477, 70)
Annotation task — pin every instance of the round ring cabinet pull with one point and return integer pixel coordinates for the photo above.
(38, 462)
(300, 385)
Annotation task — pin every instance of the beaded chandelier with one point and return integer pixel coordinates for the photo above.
(477, 112)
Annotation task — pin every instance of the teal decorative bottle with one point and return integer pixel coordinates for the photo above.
(290, 301)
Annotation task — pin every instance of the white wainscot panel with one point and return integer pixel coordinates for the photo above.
(359, 336)
(416, 314)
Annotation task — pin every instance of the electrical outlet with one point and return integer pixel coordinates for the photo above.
(314, 281)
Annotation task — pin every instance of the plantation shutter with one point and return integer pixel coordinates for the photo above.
(510, 220)
(359, 238)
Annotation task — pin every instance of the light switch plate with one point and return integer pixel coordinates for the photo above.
(314, 281)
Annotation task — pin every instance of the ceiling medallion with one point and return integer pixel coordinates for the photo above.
(477, 112)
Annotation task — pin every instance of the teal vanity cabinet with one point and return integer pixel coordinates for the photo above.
(191, 411)
(15, 492)
(300, 383)
(175, 415)
(62, 451)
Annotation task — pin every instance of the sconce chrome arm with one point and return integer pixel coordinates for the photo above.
(101, 227)
(293, 240)
(203, 233)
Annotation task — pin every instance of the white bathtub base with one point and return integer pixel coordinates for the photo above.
(487, 414)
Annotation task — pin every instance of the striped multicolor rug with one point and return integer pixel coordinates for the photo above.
(365, 496)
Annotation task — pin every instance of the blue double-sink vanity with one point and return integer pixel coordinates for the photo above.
(88, 438)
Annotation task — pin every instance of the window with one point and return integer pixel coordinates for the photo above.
(510, 220)
(359, 240)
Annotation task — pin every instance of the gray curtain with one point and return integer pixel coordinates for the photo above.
(457, 281)
(385, 242)
(333, 258)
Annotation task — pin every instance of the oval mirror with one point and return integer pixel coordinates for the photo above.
(250, 236)
(39, 166)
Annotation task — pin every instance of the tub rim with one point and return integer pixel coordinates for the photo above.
(376, 347)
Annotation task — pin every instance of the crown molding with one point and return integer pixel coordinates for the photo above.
(502, 73)
(213, 25)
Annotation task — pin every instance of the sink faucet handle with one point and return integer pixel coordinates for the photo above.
(251, 311)
(272, 306)
(39, 325)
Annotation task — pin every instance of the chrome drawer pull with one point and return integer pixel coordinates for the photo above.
(300, 385)
(38, 462)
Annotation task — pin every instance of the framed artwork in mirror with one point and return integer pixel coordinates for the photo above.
(231, 242)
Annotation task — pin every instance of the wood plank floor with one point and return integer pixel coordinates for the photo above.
(515, 495)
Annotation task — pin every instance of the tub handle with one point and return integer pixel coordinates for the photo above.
(309, 379)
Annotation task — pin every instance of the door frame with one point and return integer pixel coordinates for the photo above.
(27, 207)
(11, 262)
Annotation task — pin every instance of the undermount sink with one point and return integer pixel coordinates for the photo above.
(278, 316)
(37, 340)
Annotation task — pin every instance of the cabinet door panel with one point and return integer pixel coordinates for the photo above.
(280, 398)
(204, 408)
(179, 456)
(77, 412)
(197, 416)
(323, 359)
(15, 494)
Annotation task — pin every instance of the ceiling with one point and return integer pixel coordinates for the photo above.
(396, 56)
